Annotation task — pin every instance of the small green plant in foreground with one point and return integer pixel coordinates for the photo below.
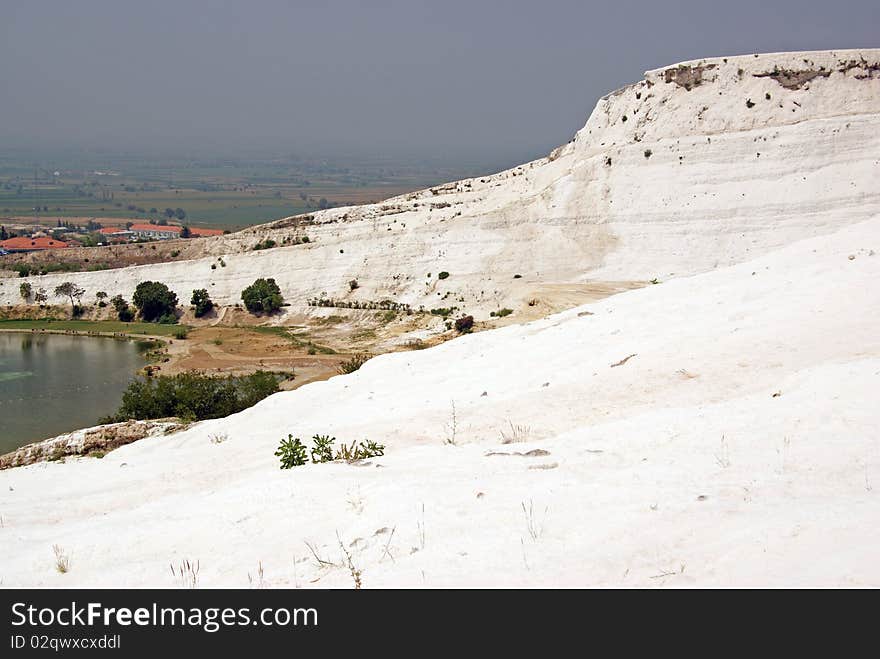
(291, 452)
(323, 449)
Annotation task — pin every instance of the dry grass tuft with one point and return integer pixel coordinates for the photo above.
(62, 560)
(515, 433)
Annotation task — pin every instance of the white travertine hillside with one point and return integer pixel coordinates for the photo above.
(698, 166)
(738, 445)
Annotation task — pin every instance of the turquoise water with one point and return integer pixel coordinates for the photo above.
(54, 383)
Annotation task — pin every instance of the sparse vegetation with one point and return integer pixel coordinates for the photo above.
(359, 451)
(62, 560)
(186, 574)
(292, 452)
(515, 433)
(372, 305)
(268, 243)
(353, 364)
(501, 313)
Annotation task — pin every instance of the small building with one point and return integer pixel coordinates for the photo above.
(31, 244)
(164, 232)
(115, 234)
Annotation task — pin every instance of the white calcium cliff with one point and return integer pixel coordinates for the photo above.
(698, 166)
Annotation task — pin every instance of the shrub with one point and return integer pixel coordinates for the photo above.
(323, 449)
(464, 324)
(291, 452)
(501, 313)
(201, 302)
(443, 275)
(126, 315)
(265, 244)
(353, 364)
(192, 396)
(360, 451)
(26, 291)
(155, 301)
(77, 310)
(262, 296)
(181, 333)
(648, 153)
(353, 284)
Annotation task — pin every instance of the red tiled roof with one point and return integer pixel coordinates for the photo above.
(109, 231)
(173, 228)
(32, 243)
(205, 232)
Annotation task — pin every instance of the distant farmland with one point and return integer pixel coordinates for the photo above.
(220, 194)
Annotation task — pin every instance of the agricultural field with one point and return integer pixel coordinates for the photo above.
(220, 193)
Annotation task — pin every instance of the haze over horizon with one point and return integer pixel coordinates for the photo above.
(452, 80)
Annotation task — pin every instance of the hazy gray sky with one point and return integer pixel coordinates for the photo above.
(449, 78)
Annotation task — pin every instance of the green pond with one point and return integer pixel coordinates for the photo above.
(54, 383)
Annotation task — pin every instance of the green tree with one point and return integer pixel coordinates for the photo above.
(71, 291)
(26, 291)
(180, 214)
(126, 315)
(154, 300)
(185, 232)
(201, 302)
(262, 296)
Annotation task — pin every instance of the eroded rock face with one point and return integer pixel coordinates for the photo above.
(793, 79)
(686, 76)
(97, 440)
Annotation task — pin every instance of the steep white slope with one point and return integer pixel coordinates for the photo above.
(699, 165)
(739, 445)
